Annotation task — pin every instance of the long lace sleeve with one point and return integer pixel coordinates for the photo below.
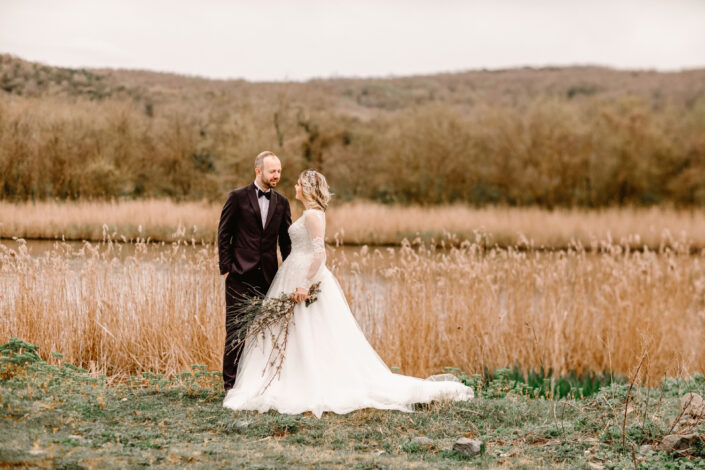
(316, 230)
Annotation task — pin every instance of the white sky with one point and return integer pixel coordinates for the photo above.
(300, 39)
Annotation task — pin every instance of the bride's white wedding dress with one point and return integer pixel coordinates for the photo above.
(329, 365)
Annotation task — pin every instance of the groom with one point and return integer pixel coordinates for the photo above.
(253, 219)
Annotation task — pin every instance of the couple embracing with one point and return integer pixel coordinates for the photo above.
(329, 364)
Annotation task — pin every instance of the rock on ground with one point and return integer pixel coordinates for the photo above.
(468, 447)
(693, 405)
(692, 413)
(676, 442)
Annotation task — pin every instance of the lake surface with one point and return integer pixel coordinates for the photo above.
(358, 257)
(362, 265)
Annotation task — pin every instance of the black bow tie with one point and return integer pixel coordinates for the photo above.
(261, 193)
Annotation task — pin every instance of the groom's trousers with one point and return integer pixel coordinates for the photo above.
(237, 286)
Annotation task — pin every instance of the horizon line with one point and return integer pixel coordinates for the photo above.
(391, 76)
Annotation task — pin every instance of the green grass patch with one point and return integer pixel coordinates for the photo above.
(536, 383)
(62, 417)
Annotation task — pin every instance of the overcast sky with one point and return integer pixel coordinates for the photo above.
(300, 39)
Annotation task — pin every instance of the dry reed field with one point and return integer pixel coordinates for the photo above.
(161, 308)
(368, 223)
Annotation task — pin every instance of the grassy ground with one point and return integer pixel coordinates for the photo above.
(61, 417)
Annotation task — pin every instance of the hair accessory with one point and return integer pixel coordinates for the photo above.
(310, 176)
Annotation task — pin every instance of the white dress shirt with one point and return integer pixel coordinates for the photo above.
(263, 203)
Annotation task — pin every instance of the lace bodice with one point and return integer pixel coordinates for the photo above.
(301, 240)
(308, 249)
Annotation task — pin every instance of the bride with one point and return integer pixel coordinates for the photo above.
(329, 365)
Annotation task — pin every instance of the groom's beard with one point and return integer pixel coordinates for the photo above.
(270, 183)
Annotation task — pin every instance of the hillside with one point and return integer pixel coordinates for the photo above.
(586, 136)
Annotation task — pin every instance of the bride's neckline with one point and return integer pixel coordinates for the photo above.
(319, 210)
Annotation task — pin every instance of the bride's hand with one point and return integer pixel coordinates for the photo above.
(300, 294)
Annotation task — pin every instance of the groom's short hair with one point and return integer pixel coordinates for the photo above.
(259, 161)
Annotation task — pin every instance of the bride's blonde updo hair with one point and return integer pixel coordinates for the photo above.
(314, 189)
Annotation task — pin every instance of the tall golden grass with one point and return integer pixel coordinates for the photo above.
(161, 308)
(557, 137)
(366, 223)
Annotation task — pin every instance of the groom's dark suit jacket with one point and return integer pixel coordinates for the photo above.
(243, 245)
(248, 253)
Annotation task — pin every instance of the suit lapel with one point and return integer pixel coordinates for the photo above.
(252, 196)
(272, 206)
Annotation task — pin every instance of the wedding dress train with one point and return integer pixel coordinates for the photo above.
(329, 364)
